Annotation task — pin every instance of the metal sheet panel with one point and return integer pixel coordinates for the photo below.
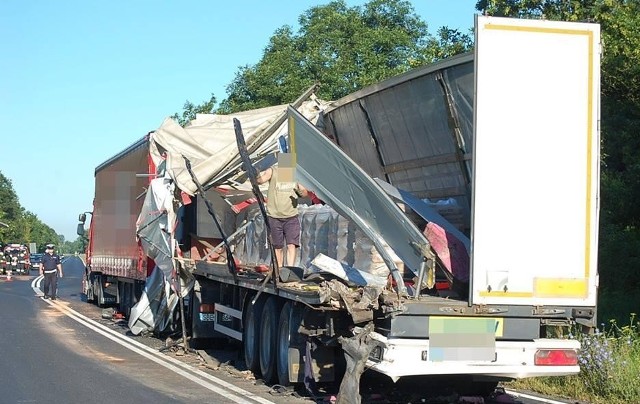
(536, 162)
(350, 129)
(414, 131)
(328, 171)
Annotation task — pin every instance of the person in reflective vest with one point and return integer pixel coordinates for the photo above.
(50, 267)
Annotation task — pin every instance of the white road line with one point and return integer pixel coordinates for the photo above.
(35, 285)
(530, 397)
(223, 388)
(162, 356)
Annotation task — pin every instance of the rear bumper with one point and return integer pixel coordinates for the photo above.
(514, 360)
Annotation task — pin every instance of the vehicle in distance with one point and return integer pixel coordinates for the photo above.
(36, 259)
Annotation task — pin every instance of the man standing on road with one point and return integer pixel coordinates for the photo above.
(50, 267)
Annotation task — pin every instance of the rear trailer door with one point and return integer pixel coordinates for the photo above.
(536, 162)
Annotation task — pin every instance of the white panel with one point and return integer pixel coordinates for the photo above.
(536, 154)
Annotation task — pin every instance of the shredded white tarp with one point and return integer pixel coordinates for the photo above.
(155, 223)
(154, 310)
(322, 264)
(154, 228)
(209, 141)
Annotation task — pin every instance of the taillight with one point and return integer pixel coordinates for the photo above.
(556, 357)
(207, 308)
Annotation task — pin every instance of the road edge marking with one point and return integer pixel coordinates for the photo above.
(168, 362)
(536, 398)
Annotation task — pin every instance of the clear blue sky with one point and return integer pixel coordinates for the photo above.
(81, 80)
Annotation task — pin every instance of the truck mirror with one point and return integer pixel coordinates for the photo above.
(80, 229)
(82, 217)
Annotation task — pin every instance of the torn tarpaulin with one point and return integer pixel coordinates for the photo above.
(155, 224)
(153, 311)
(322, 264)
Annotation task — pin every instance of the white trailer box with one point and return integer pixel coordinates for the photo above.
(536, 162)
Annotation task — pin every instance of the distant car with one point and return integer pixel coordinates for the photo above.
(36, 259)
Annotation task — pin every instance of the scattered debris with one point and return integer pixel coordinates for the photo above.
(209, 361)
(359, 302)
(279, 390)
(356, 351)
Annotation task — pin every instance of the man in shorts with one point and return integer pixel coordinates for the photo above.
(282, 213)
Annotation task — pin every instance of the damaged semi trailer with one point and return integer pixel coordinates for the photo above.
(458, 234)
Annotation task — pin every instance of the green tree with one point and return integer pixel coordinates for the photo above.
(342, 48)
(447, 42)
(35, 231)
(23, 226)
(10, 211)
(189, 110)
(79, 245)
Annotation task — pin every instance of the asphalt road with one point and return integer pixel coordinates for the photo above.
(66, 352)
(53, 353)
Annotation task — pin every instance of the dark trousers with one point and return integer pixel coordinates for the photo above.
(50, 280)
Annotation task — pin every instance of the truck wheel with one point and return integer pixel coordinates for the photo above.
(98, 292)
(251, 331)
(268, 340)
(290, 319)
(91, 297)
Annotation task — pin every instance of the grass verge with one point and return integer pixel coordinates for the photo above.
(609, 368)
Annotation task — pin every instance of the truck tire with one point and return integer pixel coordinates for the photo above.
(125, 298)
(98, 291)
(91, 297)
(251, 332)
(269, 339)
(288, 336)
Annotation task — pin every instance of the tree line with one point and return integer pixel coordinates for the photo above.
(18, 225)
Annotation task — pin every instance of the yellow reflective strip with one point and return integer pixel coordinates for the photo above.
(587, 241)
(545, 30)
(560, 287)
(292, 139)
(590, 62)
